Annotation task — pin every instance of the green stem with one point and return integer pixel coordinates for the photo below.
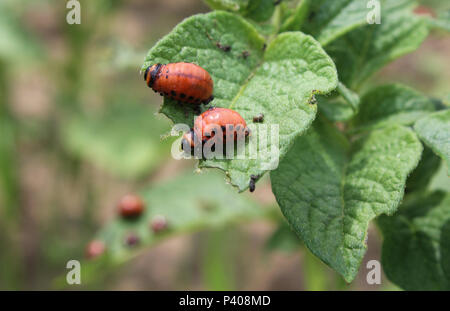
(11, 268)
(276, 22)
(315, 276)
(218, 268)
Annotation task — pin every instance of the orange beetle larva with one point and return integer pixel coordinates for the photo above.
(184, 82)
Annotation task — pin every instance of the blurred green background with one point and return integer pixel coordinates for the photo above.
(79, 129)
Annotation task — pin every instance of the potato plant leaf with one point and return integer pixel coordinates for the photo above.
(295, 19)
(330, 192)
(278, 82)
(330, 19)
(365, 50)
(434, 130)
(256, 10)
(420, 178)
(416, 246)
(392, 104)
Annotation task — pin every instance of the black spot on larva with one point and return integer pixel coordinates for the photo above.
(182, 95)
(190, 98)
(167, 77)
(161, 94)
(167, 71)
(223, 128)
(264, 47)
(173, 93)
(132, 240)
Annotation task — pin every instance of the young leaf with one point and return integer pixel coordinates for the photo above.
(365, 50)
(256, 10)
(124, 140)
(297, 18)
(392, 104)
(434, 131)
(260, 10)
(420, 178)
(278, 82)
(329, 19)
(228, 5)
(190, 202)
(415, 251)
(330, 193)
(341, 105)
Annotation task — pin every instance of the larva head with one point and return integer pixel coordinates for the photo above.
(151, 74)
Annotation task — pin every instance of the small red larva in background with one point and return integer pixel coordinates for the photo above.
(131, 206)
(132, 239)
(158, 224)
(95, 248)
(184, 82)
(211, 118)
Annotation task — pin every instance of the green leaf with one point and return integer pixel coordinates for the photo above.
(434, 131)
(188, 203)
(124, 140)
(415, 252)
(329, 19)
(365, 50)
(441, 22)
(329, 193)
(428, 166)
(297, 18)
(256, 10)
(228, 5)
(260, 10)
(341, 105)
(392, 104)
(278, 82)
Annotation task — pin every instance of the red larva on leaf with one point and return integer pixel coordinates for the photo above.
(158, 224)
(212, 118)
(184, 82)
(131, 206)
(95, 248)
(132, 239)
